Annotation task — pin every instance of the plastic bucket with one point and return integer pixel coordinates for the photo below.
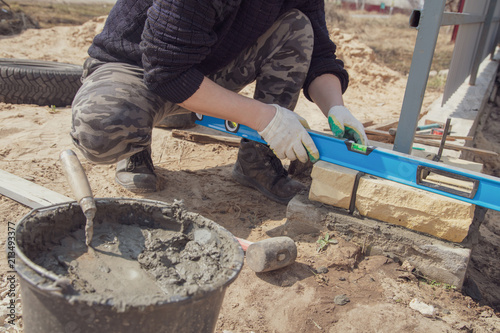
(51, 303)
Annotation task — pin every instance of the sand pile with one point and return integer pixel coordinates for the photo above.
(61, 44)
(360, 62)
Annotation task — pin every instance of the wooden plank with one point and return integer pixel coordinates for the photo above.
(206, 138)
(371, 131)
(368, 123)
(420, 136)
(379, 135)
(433, 143)
(386, 125)
(28, 193)
(448, 137)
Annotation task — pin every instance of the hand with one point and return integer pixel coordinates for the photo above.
(288, 138)
(344, 125)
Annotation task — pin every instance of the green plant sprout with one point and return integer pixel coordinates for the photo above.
(435, 283)
(324, 241)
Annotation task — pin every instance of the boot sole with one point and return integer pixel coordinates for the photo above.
(247, 181)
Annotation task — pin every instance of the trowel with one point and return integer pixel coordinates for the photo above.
(80, 186)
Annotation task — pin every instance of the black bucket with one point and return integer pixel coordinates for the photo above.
(52, 303)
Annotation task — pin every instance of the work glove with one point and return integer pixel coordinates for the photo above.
(344, 125)
(288, 138)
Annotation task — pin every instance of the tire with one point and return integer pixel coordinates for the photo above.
(38, 82)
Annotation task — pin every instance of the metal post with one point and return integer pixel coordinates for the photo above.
(428, 30)
(497, 40)
(455, 28)
(482, 41)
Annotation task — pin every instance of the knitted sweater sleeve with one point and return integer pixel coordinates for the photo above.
(177, 36)
(324, 59)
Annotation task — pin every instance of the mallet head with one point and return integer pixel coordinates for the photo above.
(270, 254)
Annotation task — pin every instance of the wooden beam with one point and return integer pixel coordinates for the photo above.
(369, 131)
(203, 138)
(386, 125)
(433, 143)
(28, 193)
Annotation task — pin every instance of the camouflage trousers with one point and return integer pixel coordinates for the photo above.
(114, 112)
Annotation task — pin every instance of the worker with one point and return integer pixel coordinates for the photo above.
(157, 58)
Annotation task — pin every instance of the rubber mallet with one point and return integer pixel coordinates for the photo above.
(269, 254)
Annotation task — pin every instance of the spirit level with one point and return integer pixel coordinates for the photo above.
(476, 188)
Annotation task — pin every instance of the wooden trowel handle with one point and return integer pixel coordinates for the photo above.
(79, 183)
(76, 176)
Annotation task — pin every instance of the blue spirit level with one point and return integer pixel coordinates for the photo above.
(479, 189)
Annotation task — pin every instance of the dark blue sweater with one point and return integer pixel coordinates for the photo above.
(178, 42)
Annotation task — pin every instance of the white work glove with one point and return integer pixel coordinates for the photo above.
(288, 138)
(344, 125)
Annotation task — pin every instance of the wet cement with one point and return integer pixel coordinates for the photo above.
(141, 263)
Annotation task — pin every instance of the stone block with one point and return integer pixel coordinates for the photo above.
(413, 208)
(332, 184)
(302, 218)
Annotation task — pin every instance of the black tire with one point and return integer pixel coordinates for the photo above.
(38, 82)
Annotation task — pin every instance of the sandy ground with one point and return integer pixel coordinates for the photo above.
(299, 298)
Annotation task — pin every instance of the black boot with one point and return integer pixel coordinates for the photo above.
(258, 167)
(136, 173)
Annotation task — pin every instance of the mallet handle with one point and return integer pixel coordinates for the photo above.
(244, 243)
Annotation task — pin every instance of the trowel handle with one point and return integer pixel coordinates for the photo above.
(77, 179)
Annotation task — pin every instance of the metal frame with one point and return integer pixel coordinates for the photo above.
(428, 21)
(482, 41)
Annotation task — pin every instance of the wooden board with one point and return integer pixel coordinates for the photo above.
(28, 193)
(435, 143)
(204, 138)
(386, 125)
(386, 134)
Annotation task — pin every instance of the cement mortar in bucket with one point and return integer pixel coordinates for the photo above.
(154, 267)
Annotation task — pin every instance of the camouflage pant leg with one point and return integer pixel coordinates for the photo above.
(278, 62)
(113, 112)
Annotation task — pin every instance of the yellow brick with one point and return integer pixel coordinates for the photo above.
(413, 208)
(332, 184)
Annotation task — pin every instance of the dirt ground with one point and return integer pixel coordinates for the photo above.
(305, 297)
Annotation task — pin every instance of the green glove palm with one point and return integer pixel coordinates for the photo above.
(344, 126)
